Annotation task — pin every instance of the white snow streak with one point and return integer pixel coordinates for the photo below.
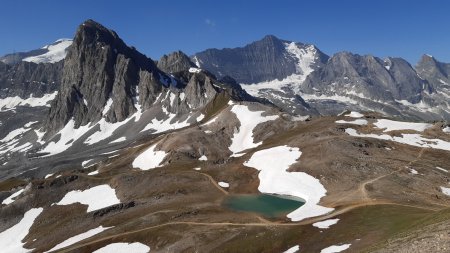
(243, 138)
(335, 248)
(325, 224)
(78, 238)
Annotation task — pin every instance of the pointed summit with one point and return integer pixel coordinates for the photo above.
(267, 59)
(101, 71)
(175, 62)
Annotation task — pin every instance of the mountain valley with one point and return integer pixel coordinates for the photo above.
(103, 149)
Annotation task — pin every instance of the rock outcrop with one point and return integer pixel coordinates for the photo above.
(175, 62)
(101, 71)
(26, 79)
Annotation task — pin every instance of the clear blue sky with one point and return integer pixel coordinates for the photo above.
(400, 28)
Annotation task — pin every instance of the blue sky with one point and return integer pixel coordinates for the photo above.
(382, 28)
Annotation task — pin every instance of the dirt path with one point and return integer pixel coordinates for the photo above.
(263, 223)
(361, 191)
(212, 181)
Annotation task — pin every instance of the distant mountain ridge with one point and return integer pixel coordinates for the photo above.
(300, 79)
(267, 59)
(296, 77)
(51, 53)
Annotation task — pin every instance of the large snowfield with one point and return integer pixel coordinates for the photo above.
(97, 197)
(275, 179)
(56, 52)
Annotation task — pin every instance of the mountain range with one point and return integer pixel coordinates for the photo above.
(102, 148)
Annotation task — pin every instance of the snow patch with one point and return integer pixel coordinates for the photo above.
(353, 114)
(149, 159)
(360, 122)
(294, 249)
(325, 224)
(106, 130)
(274, 178)
(83, 164)
(56, 52)
(121, 139)
(12, 102)
(165, 125)
(445, 190)
(203, 158)
(11, 198)
(95, 172)
(413, 171)
(11, 238)
(335, 248)
(446, 129)
(68, 135)
(410, 139)
(391, 125)
(120, 247)
(107, 106)
(200, 117)
(78, 238)
(224, 184)
(194, 70)
(243, 138)
(95, 198)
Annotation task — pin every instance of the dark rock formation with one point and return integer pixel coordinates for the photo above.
(28, 78)
(99, 66)
(175, 62)
(263, 60)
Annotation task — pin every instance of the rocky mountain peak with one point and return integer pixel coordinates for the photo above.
(101, 77)
(175, 62)
(267, 59)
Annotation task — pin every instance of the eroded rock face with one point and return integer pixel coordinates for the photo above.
(104, 78)
(435, 72)
(175, 62)
(263, 60)
(99, 66)
(27, 78)
(369, 76)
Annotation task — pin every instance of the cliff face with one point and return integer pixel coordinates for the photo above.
(175, 62)
(26, 79)
(375, 79)
(267, 59)
(100, 71)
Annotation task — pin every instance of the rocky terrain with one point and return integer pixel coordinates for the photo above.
(312, 83)
(109, 149)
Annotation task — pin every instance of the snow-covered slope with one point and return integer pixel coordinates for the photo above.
(55, 52)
